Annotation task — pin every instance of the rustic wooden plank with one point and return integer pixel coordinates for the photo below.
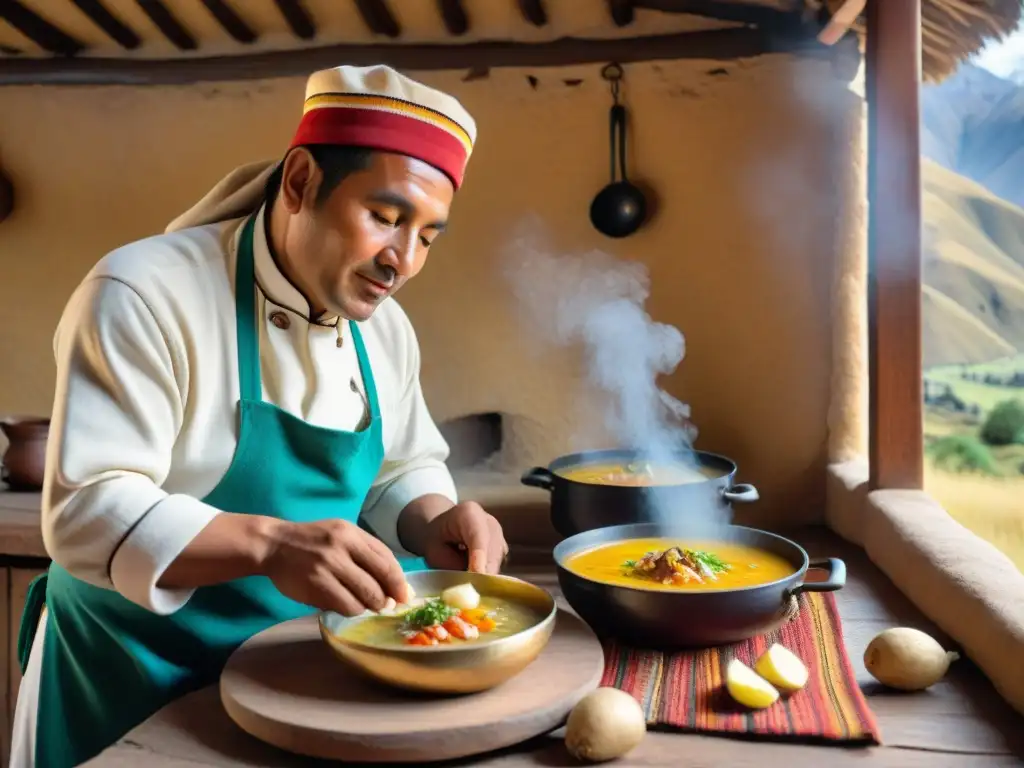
(621, 12)
(742, 12)
(223, 744)
(534, 12)
(715, 45)
(230, 21)
(893, 76)
(453, 14)
(960, 721)
(168, 25)
(5, 635)
(43, 33)
(378, 18)
(115, 29)
(297, 18)
(20, 531)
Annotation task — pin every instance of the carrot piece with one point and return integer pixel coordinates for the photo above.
(473, 615)
(422, 638)
(486, 624)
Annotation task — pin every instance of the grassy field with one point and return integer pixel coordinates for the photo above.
(992, 506)
(986, 396)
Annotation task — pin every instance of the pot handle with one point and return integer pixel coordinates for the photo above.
(836, 576)
(539, 477)
(741, 492)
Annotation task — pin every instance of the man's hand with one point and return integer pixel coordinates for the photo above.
(465, 538)
(334, 566)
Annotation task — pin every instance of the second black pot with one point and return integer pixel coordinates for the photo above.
(578, 507)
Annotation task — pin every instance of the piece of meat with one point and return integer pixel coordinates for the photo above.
(438, 632)
(670, 567)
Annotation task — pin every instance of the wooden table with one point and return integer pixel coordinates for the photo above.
(959, 723)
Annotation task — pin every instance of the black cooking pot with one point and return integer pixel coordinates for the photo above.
(578, 507)
(657, 618)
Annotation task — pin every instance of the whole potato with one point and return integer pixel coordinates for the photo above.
(907, 659)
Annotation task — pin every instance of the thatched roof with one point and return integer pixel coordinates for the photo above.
(103, 40)
(954, 30)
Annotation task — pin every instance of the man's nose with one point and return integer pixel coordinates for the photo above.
(400, 256)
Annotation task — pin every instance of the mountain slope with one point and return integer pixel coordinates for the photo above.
(973, 270)
(973, 124)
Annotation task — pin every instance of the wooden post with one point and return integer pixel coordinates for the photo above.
(893, 80)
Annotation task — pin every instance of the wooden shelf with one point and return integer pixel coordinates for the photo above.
(20, 534)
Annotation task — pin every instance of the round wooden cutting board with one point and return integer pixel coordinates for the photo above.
(285, 687)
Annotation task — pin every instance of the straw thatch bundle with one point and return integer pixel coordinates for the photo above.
(954, 30)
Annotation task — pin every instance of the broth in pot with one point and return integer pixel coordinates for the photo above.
(638, 474)
(673, 565)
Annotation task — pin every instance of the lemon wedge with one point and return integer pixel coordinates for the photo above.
(782, 668)
(747, 687)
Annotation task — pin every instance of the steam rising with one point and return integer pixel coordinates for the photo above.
(595, 301)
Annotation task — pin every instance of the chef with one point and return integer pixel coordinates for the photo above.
(239, 436)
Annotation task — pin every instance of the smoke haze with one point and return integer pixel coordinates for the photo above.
(596, 302)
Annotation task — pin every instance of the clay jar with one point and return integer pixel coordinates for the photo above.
(25, 458)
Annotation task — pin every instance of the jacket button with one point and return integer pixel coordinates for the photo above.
(280, 319)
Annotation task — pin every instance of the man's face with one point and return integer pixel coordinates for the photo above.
(357, 247)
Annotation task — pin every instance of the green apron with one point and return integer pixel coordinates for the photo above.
(108, 664)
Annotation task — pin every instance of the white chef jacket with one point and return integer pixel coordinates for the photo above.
(144, 421)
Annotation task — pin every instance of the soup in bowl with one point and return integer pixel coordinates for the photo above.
(667, 586)
(461, 633)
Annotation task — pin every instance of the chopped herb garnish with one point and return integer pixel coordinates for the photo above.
(675, 564)
(434, 611)
(713, 562)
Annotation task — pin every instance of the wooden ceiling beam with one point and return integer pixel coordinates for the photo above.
(454, 16)
(621, 12)
(297, 18)
(169, 26)
(713, 45)
(46, 35)
(230, 21)
(735, 10)
(534, 12)
(115, 29)
(378, 18)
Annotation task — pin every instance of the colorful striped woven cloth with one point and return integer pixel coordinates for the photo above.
(685, 690)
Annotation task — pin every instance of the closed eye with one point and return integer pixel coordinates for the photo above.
(382, 219)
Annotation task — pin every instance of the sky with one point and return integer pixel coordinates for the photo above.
(1005, 58)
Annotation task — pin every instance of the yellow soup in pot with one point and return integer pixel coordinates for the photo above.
(667, 564)
(639, 474)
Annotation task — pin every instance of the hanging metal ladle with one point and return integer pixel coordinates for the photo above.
(620, 208)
